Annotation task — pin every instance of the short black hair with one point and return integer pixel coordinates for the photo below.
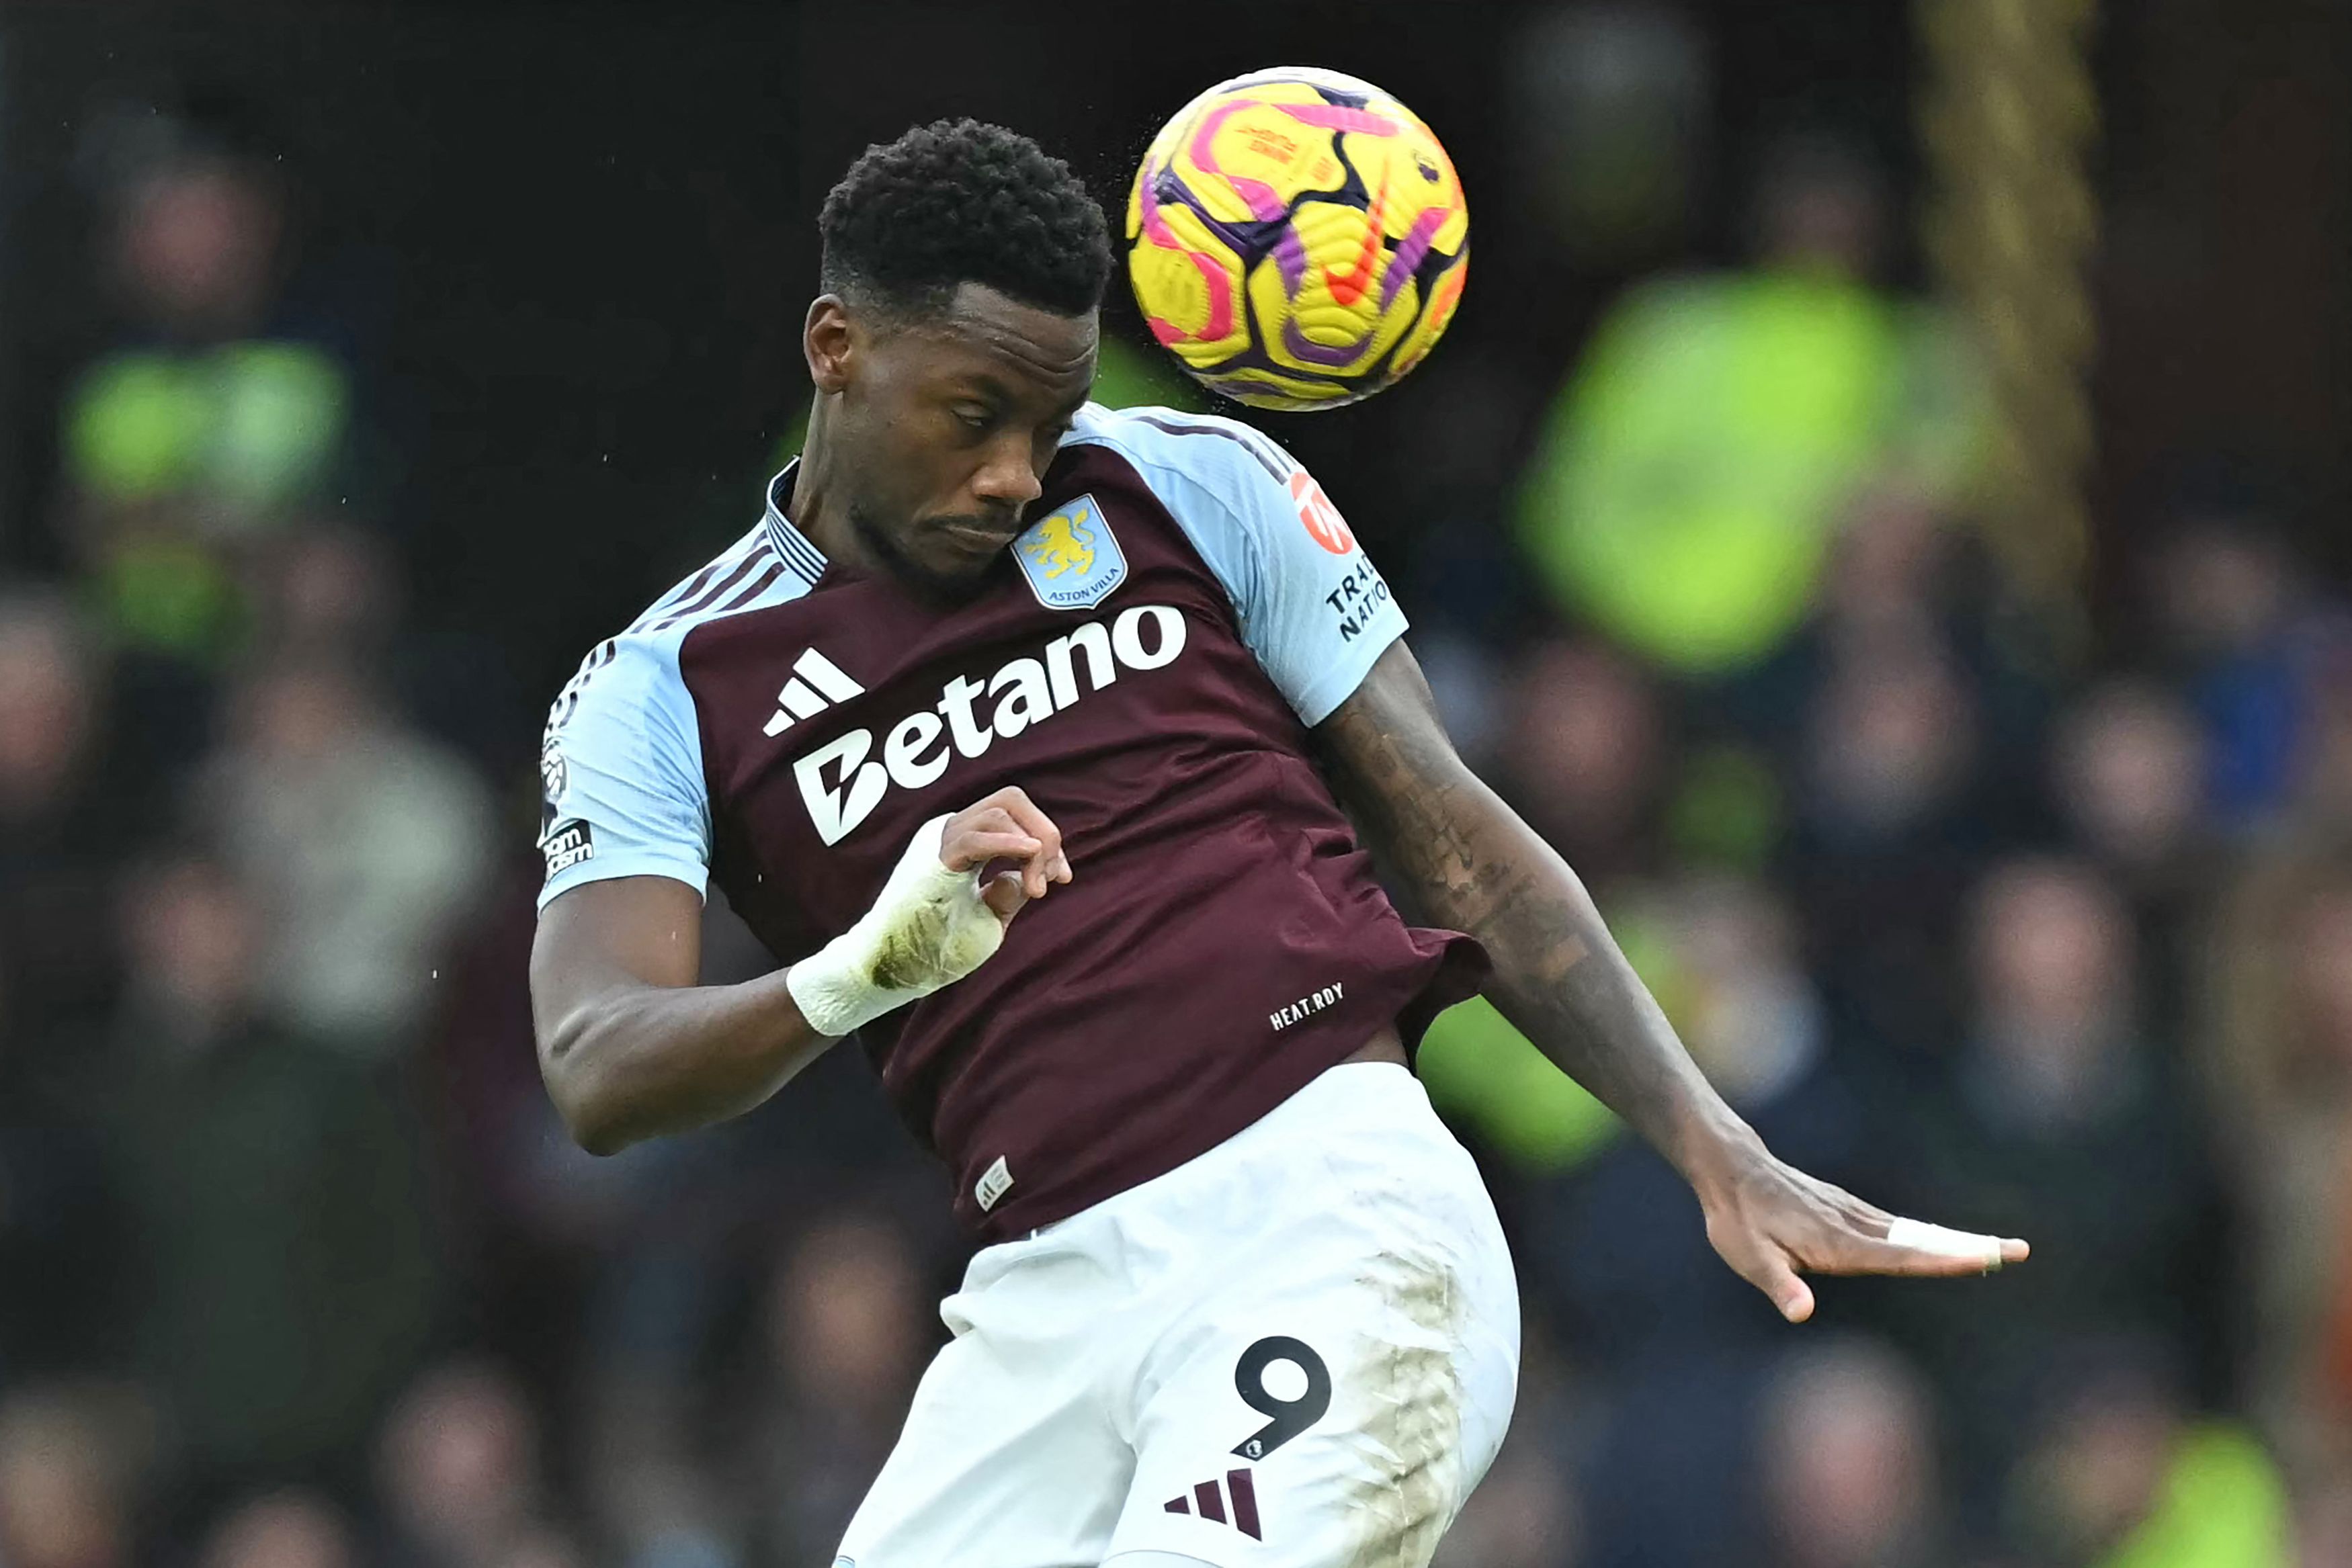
(959, 201)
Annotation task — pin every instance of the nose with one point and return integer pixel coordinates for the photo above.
(1008, 479)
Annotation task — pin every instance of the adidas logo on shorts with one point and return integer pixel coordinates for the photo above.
(1211, 1502)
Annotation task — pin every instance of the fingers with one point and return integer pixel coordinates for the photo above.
(1047, 864)
(1930, 1245)
(977, 846)
(1763, 1263)
(1007, 825)
(1852, 1236)
(1784, 1223)
(1910, 1246)
(1004, 894)
(1791, 1295)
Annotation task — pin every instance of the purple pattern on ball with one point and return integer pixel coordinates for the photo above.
(1409, 251)
(1311, 353)
(1290, 260)
(1264, 202)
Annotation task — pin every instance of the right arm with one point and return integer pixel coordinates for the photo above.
(631, 1047)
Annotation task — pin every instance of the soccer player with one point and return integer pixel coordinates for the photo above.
(1047, 743)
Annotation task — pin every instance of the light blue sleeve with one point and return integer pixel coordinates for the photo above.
(621, 772)
(1312, 606)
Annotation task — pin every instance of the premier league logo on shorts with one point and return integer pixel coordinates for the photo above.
(1069, 556)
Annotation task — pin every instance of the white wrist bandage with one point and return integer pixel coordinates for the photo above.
(1921, 1237)
(927, 928)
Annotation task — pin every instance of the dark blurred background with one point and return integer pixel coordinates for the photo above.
(1881, 510)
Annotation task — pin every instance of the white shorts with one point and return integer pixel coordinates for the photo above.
(1297, 1351)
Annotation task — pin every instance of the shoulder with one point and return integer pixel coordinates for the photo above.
(1228, 487)
(638, 667)
(1207, 449)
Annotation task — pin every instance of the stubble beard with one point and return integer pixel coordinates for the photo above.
(946, 590)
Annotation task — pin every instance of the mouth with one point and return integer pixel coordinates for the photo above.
(979, 539)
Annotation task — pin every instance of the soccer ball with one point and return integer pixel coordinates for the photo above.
(1297, 238)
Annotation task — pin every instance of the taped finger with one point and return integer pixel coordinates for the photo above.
(1917, 1236)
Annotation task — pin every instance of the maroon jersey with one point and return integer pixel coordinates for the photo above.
(1145, 663)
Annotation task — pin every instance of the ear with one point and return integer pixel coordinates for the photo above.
(831, 342)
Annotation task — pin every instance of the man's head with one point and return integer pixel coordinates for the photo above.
(953, 342)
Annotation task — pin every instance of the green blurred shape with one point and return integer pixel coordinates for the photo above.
(1490, 1079)
(1128, 377)
(251, 426)
(170, 593)
(130, 427)
(1482, 1072)
(2222, 1505)
(1692, 473)
(1727, 811)
(281, 409)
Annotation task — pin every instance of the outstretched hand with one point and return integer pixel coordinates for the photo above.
(1771, 1222)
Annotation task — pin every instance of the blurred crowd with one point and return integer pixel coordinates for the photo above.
(2004, 922)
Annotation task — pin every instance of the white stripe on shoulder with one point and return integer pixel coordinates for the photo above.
(1170, 438)
(747, 575)
(690, 588)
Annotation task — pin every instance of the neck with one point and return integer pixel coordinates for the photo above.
(819, 506)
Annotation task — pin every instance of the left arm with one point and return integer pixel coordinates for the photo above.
(1561, 979)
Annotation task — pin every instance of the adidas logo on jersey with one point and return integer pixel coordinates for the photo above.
(816, 685)
(841, 785)
(1211, 1503)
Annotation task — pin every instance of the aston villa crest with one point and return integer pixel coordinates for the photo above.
(1070, 558)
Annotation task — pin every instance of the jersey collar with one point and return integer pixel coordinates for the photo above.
(792, 545)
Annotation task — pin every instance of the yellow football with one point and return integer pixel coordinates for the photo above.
(1297, 238)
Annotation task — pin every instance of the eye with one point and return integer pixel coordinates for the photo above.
(974, 418)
